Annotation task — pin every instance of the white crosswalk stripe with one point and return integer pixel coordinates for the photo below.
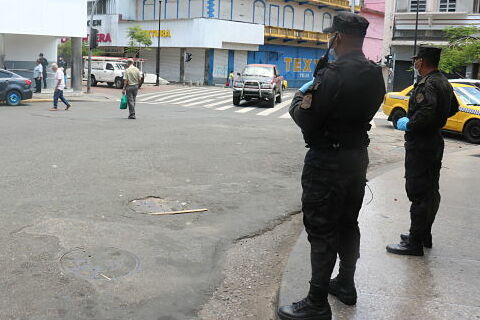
(183, 95)
(285, 116)
(163, 92)
(224, 108)
(246, 109)
(169, 93)
(275, 109)
(198, 102)
(195, 97)
(218, 103)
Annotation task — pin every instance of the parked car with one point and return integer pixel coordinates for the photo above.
(466, 121)
(471, 82)
(14, 88)
(258, 81)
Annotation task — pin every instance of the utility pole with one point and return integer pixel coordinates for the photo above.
(89, 75)
(157, 82)
(415, 38)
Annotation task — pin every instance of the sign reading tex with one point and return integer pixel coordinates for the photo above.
(163, 33)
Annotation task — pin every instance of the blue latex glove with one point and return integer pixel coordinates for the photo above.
(306, 86)
(402, 123)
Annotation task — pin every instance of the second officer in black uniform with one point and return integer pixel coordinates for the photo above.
(334, 115)
(432, 101)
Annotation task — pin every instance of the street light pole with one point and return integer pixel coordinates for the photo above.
(89, 74)
(415, 37)
(157, 82)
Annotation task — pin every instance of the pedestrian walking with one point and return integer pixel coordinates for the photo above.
(45, 66)
(38, 76)
(231, 79)
(59, 87)
(132, 81)
(334, 112)
(63, 64)
(431, 103)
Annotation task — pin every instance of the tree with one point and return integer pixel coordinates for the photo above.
(463, 48)
(65, 50)
(138, 39)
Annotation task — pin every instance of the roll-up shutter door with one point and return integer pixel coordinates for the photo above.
(169, 63)
(220, 64)
(195, 68)
(240, 60)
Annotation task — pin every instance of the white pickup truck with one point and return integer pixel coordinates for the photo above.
(110, 72)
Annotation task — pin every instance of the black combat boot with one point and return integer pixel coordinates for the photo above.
(314, 307)
(406, 248)
(427, 239)
(343, 286)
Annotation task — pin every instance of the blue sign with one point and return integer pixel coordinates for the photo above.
(295, 64)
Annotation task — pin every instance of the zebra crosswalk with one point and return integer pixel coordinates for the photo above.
(220, 99)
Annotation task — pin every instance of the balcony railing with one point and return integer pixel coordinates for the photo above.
(336, 4)
(294, 34)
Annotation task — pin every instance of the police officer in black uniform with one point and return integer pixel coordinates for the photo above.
(432, 101)
(334, 115)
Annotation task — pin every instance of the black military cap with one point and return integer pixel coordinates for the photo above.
(428, 52)
(349, 23)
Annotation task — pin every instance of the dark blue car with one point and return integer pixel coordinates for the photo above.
(14, 88)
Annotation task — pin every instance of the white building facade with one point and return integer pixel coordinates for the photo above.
(30, 27)
(434, 17)
(222, 35)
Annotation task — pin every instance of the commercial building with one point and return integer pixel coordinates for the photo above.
(222, 35)
(374, 12)
(434, 17)
(30, 27)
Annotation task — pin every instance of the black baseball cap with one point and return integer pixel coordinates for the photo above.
(428, 52)
(349, 23)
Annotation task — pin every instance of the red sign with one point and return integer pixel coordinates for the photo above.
(101, 37)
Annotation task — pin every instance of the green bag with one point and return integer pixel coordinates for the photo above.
(124, 102)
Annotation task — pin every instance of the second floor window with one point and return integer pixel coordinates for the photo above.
(101, 7)
(448, 5)
(422, 5)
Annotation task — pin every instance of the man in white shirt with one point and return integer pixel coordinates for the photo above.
(59, 86)
(38, 76)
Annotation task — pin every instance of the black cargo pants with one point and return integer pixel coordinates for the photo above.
(333, 184)
(422, 174)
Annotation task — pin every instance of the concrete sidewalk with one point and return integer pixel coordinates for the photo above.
(444, 284)
(74, 96)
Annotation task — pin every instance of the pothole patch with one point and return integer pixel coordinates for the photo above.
(99, 263)
(156, 204)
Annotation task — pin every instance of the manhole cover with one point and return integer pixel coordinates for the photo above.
(94, 263)
(154, 204)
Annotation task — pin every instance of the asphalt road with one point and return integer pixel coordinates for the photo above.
(72, 246)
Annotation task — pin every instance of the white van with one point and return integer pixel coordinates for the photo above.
(110, 72)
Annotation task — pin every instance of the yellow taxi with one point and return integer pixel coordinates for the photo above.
(466, 121)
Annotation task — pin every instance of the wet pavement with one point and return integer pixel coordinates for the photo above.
(442, 285)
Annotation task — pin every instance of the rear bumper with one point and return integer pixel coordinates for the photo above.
(27, 94)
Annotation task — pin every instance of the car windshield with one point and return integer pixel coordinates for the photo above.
(469, 95)
(258, 71)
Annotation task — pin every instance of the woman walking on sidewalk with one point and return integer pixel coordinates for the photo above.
(59, 86)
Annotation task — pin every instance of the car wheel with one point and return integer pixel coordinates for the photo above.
(119, 83)
(471, 131)
(110, 84)
(236, 100)
(13, 98)
(271, 102)
(279, 97)
(93, 81)
(397, 114)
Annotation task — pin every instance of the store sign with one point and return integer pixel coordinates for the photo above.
(96, 23)
(101, 38)
(163, 33)
(301, 65)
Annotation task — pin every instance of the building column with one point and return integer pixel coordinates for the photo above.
(2, 51)
(77, 64)
(208, 75)
(182, 64)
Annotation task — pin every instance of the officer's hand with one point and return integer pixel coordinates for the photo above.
(306, 86)
(402, 123)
